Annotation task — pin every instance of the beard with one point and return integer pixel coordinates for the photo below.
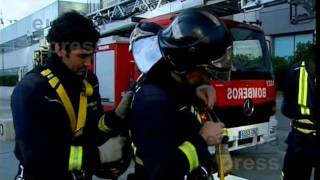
(82, 73)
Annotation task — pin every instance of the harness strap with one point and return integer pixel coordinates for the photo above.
(76, 124)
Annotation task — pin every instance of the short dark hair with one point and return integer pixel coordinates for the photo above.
(72, 30)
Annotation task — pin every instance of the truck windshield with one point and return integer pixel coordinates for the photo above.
(250, 57)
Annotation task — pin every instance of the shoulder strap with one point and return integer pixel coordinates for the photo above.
(77, 124)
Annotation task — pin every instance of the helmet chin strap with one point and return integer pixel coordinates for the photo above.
(181, 77)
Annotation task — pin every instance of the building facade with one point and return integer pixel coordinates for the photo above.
(19, 40)
(286, 23)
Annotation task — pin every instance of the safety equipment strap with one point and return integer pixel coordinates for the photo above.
(76, 124)
(102, 126)
(190, 152)
(75, 158)
(194, 110)
(303, 90)
(137, 159)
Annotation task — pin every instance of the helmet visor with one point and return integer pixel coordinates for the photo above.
(146, 53)
(220, 69)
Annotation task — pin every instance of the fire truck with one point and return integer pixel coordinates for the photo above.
(245, 104)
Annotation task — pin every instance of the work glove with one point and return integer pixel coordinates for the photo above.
(226, 159)
(111, 150)
(115, 157)
(124, 106)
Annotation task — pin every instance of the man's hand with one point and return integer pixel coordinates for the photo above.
(124, 106)
(207, 94)
(212, 132)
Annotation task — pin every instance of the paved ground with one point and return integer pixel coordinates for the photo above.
(263, 162)
(5, 112)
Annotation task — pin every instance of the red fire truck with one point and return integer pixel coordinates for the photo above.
(246, 103)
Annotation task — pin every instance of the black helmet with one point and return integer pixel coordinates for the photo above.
(144, 45)
(195, 37)
(143, 30)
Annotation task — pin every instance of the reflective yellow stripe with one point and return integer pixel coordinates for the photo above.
(46, 72)
(305, 86)
(192, 109)
(225, 132)
(89, 88)
(134, 148)
(54, 81)
(301, 84)
(71, 157)
(67, 105)
(75, 158)
(303, 90)
(82, 113)
(199, 117)
(80, 158)
(305, 110)
(190, 151)
(305, 131)
(138, 161)
(305, 121)
(136, 158)
(282, 175)
(196, 113)
(102, 126)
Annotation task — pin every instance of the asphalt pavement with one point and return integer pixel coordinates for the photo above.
(262, 162)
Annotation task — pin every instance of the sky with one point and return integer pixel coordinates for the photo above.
(17, 9)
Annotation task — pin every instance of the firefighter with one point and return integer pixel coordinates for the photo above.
(58, 118)
(170, 141)
(302, 155)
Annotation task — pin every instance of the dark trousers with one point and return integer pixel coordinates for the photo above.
(23, 175)
(303, 154)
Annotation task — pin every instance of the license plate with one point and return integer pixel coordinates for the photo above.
(248, 133)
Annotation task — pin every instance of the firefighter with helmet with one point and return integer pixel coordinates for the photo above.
(302, 155)
(170, 140)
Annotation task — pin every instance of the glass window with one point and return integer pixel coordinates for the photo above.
(303, 38)
(284, 46)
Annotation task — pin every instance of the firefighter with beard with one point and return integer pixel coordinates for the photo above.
(170, 141)
(58, 118)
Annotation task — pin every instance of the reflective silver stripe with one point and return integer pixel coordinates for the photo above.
(75, 158)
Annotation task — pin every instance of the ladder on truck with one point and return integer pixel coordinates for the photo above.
(117, 16)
